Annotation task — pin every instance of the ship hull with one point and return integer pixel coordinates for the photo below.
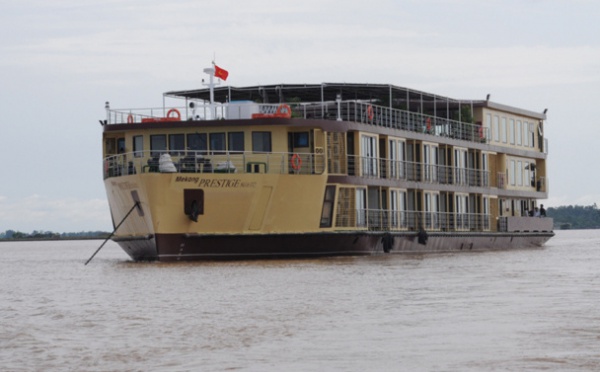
(191, 247)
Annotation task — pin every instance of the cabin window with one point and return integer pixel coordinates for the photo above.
(369, 155)
(511, 170)
(398, 209)
(519, 131)
(138, 146)
(176, 144)
(300, 139)
(503, 129)
(158, 144)
(217, 143)
(361, 207)
(197, 142)
(520, 173)
(327, 212)
(121, 145)
(235, 141)
(511, 130)
(261, 142)
(496, 128)
(488, 125)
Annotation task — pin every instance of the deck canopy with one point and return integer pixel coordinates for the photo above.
(381, 94)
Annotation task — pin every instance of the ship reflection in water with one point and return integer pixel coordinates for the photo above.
(509, 310)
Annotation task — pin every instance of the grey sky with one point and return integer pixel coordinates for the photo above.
(61, 60)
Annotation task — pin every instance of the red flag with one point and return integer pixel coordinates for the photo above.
(220, 73)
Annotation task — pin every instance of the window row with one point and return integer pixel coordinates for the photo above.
(521, 173)
(209, 143)
(509, 130)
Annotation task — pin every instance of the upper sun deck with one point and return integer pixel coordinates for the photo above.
(377, 105)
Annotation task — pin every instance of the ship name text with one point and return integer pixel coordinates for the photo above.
(216, 183)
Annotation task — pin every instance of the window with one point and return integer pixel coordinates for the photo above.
(158, 144)
(532, 133)
(397, 158)
(301, 139)
(496, 128)
(511, 176)
(217, 143)
(503, 130)
(511, 130)
(460, 166)
(327, 212)
(176, 144)
(235, 141)
(488, 125)
(197, 142)
(398, 208)
(261, 141)
(519, 131)
(369, 155)
(432, 202)
(525, 134)
(485, 170)
(520, 173)
(430, 157)
(121, 145)
(138, 146)
(361, 207)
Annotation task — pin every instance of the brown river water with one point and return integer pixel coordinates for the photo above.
(526, 310)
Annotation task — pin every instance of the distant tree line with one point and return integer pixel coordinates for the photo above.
(49, 235)
(575, 217)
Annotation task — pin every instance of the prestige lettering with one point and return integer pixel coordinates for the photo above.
(219, 183)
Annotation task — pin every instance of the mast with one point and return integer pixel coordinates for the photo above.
(211, 86)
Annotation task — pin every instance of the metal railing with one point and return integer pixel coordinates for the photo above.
(374, 167)
(394, 220)
(212, 162)
(355, 111)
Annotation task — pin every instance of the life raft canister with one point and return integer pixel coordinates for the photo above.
(296, 162)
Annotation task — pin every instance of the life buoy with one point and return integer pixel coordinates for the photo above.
(130, 119)
(370, 114)
(480, 132)
(428, 124)
(174, 111)
(284, 111)
(296, 162)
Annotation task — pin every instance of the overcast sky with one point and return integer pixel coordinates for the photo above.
(60, 60)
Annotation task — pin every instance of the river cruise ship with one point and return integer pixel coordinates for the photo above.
(325, 169)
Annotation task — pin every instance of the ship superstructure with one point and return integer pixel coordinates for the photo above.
(323, 169)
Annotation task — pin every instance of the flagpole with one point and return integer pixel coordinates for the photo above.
(211, 87)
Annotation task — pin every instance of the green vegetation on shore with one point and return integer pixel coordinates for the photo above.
(49, 235)
(575, 217)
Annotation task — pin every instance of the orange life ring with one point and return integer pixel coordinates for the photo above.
(176, 112)
(429, 124)
(370, 114)
(296, 162)
(130, 119)
(284, 111)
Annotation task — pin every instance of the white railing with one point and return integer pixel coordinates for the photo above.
(394, 220)
(374, 167)
(355, 111)
(212, 162)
